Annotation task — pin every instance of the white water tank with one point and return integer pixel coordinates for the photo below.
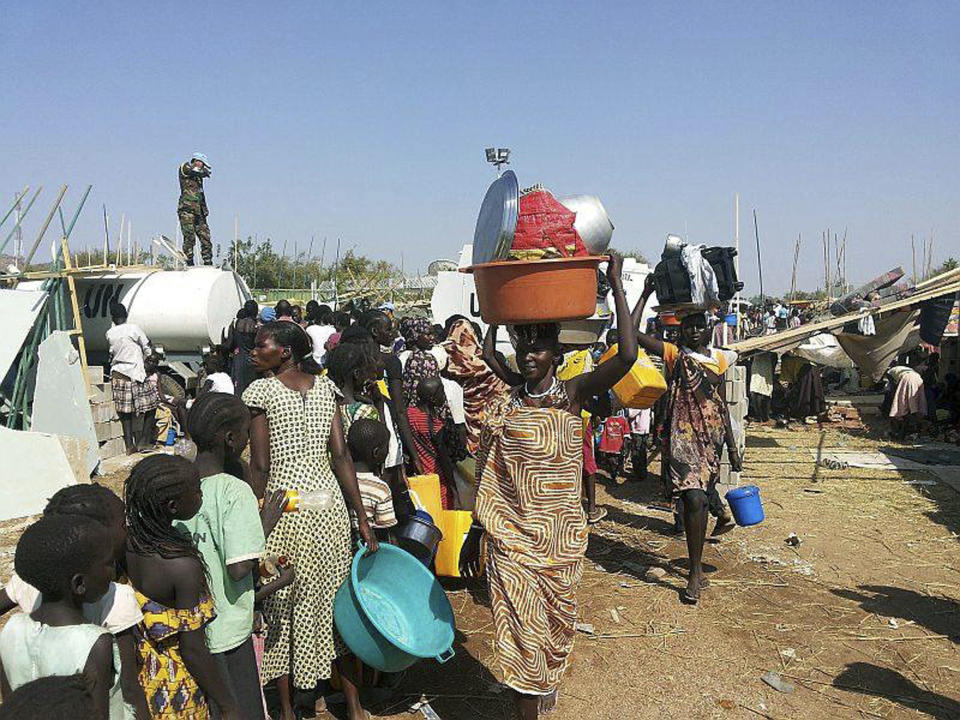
(179, 310)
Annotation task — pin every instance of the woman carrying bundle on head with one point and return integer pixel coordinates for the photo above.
(696, 424)
(528, 503)
(297, 443)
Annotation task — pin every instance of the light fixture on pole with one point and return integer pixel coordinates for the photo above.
(498, 157)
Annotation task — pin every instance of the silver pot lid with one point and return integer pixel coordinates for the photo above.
(497, 221)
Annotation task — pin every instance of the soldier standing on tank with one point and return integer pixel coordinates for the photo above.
(192, 208)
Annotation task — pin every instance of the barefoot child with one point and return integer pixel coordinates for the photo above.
(230, 532)
(368, 442)
(70, 561)
(177, 672)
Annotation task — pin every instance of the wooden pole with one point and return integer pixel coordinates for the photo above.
(793, 275)
(736, 258)
(106, 234)
(913, 249)
(756, 233)
(236, 241)
(75, 305)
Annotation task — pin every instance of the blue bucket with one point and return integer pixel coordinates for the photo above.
(732, 319)
(745, 505)
(391, 611)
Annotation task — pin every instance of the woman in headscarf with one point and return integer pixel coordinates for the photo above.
(465, 366)
(528, 504)
(420, 363)
(696, 424)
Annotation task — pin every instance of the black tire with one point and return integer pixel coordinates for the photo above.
(171, 387)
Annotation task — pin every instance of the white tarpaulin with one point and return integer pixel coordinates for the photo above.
(18, 312)
(824, 349)
(35, 466)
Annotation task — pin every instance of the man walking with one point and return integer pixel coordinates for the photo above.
(192, 208)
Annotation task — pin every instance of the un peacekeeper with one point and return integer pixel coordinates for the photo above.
(192, 208)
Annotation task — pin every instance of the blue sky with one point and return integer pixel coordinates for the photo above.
(368, 120)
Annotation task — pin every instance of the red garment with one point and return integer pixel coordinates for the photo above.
(543, 222)
(420, 428)
(589, 461)
(615, 429)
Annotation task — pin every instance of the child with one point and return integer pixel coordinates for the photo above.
(57, 697)
(428, 432)
(368, 442)
(217, 378)
(230, 532)
(639, 432)
(615, 430)
(177, 671)
(70, 561)
(151, 392)
(117, 611)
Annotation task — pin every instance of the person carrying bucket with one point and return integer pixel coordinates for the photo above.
(696, 424)
(528, 503)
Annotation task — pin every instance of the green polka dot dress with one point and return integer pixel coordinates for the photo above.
(301, 640)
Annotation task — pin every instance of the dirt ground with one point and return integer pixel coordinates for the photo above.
(862, 618)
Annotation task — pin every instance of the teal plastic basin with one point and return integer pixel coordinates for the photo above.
(391, 611)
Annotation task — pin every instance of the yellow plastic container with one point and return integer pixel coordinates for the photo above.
(427, 488)
(575, 364)
(455, 525)
(642, 386)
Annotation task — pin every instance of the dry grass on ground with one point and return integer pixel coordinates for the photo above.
(862, 618)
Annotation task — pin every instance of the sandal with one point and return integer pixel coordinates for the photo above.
(596, 515)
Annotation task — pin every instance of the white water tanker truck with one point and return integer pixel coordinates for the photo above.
(184, 313)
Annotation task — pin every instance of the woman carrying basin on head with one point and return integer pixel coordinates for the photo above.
(529, 467)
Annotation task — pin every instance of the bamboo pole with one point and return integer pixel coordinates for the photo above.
(43, 228)
(106, 234)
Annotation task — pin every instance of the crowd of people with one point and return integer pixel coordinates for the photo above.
(216, 577)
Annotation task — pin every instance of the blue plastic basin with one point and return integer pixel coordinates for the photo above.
(391, 611)
(745, 505)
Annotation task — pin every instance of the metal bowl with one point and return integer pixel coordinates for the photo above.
(592, 224)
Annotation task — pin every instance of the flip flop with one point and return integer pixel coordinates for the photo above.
(596, 516)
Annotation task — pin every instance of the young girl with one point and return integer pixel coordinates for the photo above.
(431, 440)
(230, 530)
(178, 674)
(117, 611)
(70, 561)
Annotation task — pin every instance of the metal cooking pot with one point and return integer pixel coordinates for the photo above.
(420, 537)
(592, 223)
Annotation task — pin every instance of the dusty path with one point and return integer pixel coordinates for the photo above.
(862, 618)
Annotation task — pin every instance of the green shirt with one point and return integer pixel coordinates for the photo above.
(227, 530)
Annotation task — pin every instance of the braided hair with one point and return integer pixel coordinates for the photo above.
(347, 358)
(93, 500)
(154, 482)
(55, 548)
(211, 413)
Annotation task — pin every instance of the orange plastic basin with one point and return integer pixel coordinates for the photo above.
(529, 291)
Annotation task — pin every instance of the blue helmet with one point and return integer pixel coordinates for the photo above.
(202, 158)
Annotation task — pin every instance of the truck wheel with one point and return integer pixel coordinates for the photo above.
(171, 387)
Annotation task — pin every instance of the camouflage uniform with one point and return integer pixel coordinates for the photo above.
(192, 210)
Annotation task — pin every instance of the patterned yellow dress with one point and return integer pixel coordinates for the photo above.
(170, 688)
(528, 501)
(301, 639)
